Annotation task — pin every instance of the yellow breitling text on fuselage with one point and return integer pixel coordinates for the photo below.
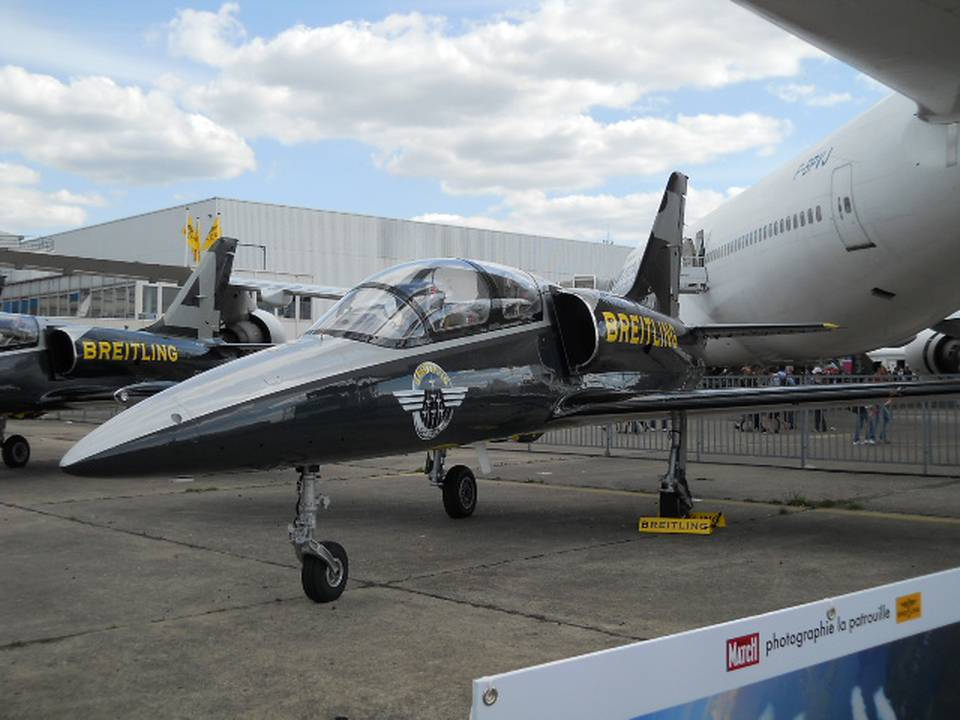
(636, 329)
(119, 350)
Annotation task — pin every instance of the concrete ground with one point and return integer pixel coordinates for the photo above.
(181, 597)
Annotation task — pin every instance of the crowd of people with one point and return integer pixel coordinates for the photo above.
(871, 422)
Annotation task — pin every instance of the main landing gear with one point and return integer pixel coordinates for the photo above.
(16, 449)
(458, 485)
(675, 498)
(324, 566)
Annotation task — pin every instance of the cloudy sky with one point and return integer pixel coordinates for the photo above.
(557, 117)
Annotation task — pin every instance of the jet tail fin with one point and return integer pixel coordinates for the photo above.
(651, 274)
(195, 311)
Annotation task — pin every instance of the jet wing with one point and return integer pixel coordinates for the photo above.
(603, 407)
(276, 287)
(725, 330)
(908, 45)
(69, 265)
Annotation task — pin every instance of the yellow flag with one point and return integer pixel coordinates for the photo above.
(192, 234)
(213, 235)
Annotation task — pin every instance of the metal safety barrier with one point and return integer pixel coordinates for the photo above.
(915, 436)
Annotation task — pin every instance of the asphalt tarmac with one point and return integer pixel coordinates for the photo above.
(180, 597)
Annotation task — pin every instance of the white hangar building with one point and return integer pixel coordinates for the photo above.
(281, 242)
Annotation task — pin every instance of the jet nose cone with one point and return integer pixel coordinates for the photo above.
(103, 453)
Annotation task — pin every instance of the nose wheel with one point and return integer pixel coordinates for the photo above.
(324, 566)
(324, 571)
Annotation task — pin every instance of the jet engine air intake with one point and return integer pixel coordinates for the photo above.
(578, 329)
(63, 352)
(933, 353)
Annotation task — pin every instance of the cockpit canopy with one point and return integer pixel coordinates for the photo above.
(433, 300)
(18, 331)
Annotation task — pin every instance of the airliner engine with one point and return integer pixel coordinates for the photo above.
(933, 353)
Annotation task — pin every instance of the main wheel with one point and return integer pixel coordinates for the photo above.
(459, 492)
(321, 582)
(672, 505)
(16, 451)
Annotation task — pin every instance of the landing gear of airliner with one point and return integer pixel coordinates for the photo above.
(16, 449)
(675, 498)
(324, 566)
(458, 485)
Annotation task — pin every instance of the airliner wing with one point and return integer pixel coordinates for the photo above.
(69, 265)
(908, 45)
(599, 407)
(153, 272)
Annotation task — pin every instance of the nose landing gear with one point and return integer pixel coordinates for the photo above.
(458, 485)
(324, 566)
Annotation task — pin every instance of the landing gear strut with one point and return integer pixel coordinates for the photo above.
(458, 485)
(675, 498)
(16, 449)
(324, 564)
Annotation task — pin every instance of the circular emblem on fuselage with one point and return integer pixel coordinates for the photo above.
(431, 399)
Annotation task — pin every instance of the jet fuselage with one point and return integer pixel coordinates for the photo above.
(56, 365)
(327, 399)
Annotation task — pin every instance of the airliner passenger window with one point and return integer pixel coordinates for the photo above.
(802, 222)
(819, 215)
(18, 331)
(810, 216)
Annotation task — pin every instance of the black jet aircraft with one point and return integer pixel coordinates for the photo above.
(435, 354)
(53, 363)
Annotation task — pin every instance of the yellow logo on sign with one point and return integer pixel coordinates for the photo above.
(689, 526)
(716, 518)
(909, 607)
(636, 329)
(118, 350)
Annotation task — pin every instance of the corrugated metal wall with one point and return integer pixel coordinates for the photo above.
(330, 247)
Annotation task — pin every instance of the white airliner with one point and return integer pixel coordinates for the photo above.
(863, 229)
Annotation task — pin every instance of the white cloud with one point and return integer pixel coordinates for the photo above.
(808, 95)
(104, 131)
(497, 106)
(205, 36)
(24, 207)
(11, 174)
(624, 219)
(830, 99)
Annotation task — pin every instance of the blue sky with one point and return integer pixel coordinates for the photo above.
(561, 118)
